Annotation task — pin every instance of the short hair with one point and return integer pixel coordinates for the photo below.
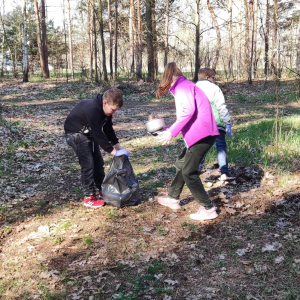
(206, 72)
(114, 97)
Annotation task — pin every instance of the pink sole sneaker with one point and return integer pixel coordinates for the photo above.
(204, 214)
(170, 202)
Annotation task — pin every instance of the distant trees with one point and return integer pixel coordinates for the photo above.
(242, 39)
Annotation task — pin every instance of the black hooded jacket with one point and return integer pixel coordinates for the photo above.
(88, 118)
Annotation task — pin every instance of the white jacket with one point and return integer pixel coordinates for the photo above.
(214, 94)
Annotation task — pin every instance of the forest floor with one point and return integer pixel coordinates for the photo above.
(52, 247)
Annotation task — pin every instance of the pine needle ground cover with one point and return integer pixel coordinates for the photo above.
(54, 248)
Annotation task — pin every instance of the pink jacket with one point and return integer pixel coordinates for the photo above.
(195, 119)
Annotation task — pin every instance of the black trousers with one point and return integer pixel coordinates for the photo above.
(187, 172)
(90, 160)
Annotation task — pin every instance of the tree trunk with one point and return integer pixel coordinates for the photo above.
(95, 41)
(150, 46)
(116, 38)
(298, 56)
(25, 46)
(131, 36)
(102, 41)
(89, 38)
(230, 60)
(65, 34)
(110, 40)
(70, 40)
(38, 33)
(44, 40)
(250, 66)
(247, 38)
(154, 35)
(139, 49)
(239, 60)
(166, 33)
(3, 42)
(267, 33)
(275, 54)
(254, 62)
(213, 15)
(197, 40)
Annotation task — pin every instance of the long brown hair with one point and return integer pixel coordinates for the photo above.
(165, 83)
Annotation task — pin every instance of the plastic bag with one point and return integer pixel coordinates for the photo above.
(120, 185)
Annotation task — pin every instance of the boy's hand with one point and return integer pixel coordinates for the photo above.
(122, 152)
(228, 129)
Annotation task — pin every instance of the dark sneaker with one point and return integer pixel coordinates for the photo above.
(93, 202)
(227, 177)
(212, 178)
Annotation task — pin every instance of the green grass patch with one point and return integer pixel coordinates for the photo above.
(256, 143)
(87, 241)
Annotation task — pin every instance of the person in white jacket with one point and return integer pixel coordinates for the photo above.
(207, 84)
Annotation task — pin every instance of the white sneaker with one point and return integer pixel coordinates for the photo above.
(170, 202)
(227, 177)
(204, 214)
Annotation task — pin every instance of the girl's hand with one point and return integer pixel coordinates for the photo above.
(164, 137)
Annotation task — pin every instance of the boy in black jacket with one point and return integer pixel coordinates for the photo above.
(88, 126)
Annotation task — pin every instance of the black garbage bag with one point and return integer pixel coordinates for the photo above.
(120, 186)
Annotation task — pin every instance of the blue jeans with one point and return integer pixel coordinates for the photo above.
(222, 153)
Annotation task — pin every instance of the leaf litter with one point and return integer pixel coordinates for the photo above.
(144, 251)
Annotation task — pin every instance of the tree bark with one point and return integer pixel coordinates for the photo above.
(3, 42)
(25, 46)
(39, 41)
(95, 41)
(274, 62)
(197, 40)
(267, 33)
(65, 34)
(131, 36)
(247, 37)
(70, 40)
(110, 40)
(166, 33)
(89, 38)
(139, 49)
(213, 15)
(250, 66)
(116, 38)
(44, 40)
(150, 46)
(102, 41)
(255, 60)
(154, 35)
(230, 60)
(298, 57)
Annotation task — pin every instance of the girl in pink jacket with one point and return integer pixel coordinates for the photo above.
(196, 122)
